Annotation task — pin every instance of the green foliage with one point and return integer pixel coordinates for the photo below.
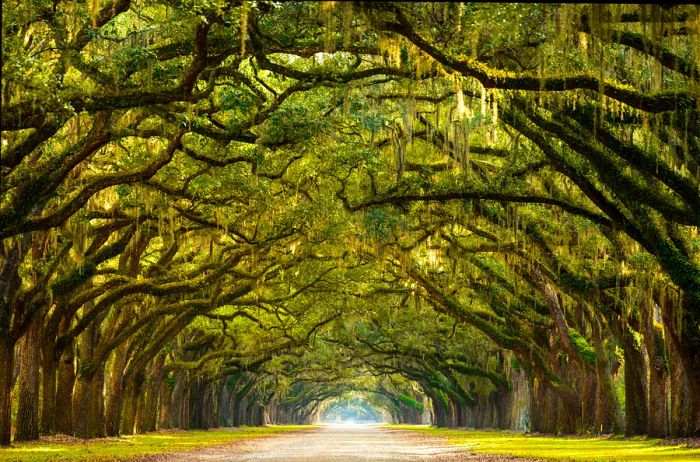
(411, 402)
(380, 224)
(582, 346)
(350, 207)
(514, 364)
(238, 99)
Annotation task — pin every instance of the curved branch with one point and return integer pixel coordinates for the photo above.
(489, 78)
(445, 196)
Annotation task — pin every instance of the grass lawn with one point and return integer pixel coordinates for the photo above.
(561, 448)
(110, 449)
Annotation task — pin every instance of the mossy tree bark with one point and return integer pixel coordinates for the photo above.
(29, 363)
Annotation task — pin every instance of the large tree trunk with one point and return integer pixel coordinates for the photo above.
(233, 405)
(691, 365)
(209, 406)
(6, 371)
(536, 423)
(81, 395)
(223, 409)
(195, 403)
(178, 397)
(680, 401)
(149, 413)
(28, 393)
(96, 418)
(548, 403)
(684, 349)
(165, 412)
(608, 412)
(81, 406)
(48, 387)
(131, 396)
(588, 405)
(184, 410)
(115, 395)
(608, 416)
(636, 410)
(65, 378)
(64, 392)
(658, 374)
(690, 355)
(441, 411)
(504, 401)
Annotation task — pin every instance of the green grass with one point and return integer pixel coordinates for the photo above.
(561, 448)
(113, 449)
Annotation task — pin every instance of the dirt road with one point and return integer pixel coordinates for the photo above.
(337, 444)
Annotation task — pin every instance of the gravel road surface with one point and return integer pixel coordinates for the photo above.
(336, 443)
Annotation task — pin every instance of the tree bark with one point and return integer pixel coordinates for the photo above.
(28, 392)
(82, 397)
(177, 398)
(48, 387)
(636, 410)
(608, 412)
(658, 374)
(96, 418)
(131, 396)
(115, 396)
(64, 391)
(223, 408)
(6, 371)
(165, 399)
(685, 346)
(149, 402)
(81, 406)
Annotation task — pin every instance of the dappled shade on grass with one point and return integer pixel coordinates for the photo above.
(562, 448)
(134, 446)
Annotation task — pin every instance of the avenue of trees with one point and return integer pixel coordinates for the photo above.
(216, 213)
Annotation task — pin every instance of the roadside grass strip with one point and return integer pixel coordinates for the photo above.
(129, 447)
(590, 449)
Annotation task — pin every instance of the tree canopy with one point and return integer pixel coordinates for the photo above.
(221, 213)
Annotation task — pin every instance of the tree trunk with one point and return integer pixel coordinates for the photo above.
(115, 395)
(48, 387)
(140, 423)
(588, 405)
(96, 418)
(28, 393)
(536, 415)
(691, 365)
(165, 399)
(690, 355)
(549, 410)
(223, 409)
(680, 399)
(131, 396)
(196, 404)
(658, 374)
(6, 371)
(177, 398)
(83, 386)
(184, 410)
(504, 400)
(81, 406)
(608, 412)
(636, 410)
(684, 349)
(64, 392)
(149, 415)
